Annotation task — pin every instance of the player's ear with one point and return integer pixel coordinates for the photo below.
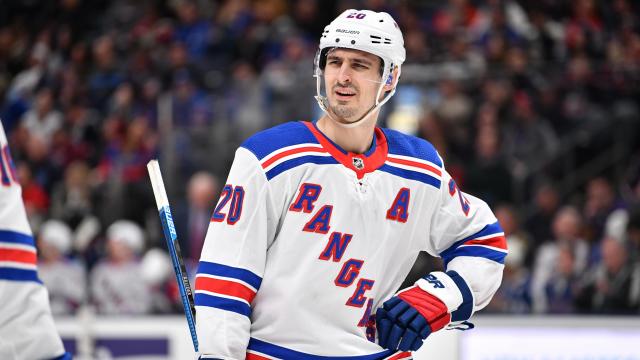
(391, 81)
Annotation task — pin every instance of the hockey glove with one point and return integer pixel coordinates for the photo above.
(405, 320)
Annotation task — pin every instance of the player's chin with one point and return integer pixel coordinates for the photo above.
(344, 111)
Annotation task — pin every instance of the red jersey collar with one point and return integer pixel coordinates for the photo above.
(359, 163)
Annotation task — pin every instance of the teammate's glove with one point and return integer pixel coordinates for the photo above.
(405, 320)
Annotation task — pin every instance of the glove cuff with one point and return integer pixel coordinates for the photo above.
(464, 311)
(443, 287)
(452, 290)
(429, 306)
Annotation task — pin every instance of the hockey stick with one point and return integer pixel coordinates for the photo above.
(171, 237)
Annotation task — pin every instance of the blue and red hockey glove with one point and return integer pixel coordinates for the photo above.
(409, 317)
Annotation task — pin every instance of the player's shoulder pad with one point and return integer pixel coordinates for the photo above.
(411, 146)
(278, 137)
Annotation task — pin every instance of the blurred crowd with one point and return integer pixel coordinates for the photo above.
(534, 106)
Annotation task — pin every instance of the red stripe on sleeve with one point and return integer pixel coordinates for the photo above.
(402, 355)
(225, 287)
(252, 356)
(290, 152)
(22, 256)
(416, 164)
(498, 242)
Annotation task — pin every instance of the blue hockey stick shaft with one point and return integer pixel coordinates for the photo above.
(170, 235)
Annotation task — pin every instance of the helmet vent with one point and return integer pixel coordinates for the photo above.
(378, 40)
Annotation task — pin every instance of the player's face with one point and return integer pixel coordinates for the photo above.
(352, 79)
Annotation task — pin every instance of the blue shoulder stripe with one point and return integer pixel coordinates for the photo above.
(406, 145)
(222, 303)
(487, 230)
(16, 238)
(280, 352)
(267, 141)
(295, 162)
(476, 251)
(413, 175)
(13, 274)
(216, 269)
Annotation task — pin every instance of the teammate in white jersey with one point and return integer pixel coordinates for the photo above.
(320, 222)
(27, 330)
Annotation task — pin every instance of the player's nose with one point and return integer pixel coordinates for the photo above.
(345, 73)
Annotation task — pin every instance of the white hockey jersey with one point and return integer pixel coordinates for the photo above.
(27, 330)
(308, 240)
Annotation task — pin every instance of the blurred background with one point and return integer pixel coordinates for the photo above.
(534, 106)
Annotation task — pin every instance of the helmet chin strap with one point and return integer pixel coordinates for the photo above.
(323, 101)
(324, 105)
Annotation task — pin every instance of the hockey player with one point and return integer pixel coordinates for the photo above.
(27, 330)
(320, 222)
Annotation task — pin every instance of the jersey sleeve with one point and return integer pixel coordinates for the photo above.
(467, 236)
(233, 260)
(27, 330)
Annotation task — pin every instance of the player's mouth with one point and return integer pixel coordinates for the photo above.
(344, 94)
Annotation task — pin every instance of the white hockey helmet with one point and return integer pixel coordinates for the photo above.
(373, 32)
(128, 233)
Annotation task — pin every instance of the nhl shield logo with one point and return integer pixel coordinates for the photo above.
(358, 163)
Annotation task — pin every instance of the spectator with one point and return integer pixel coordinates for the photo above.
(488, 176)
(561, 290)
(513, 296)
(193, 216)
(82, 128)
(287, 82)
(64, 277)
(584, 31)
(23, 86)
(178, 65)
(122, 102)
(192, 30)
(116, 288)
(36, 200)
(529, 140)
(43, 120)
(122, 172)
(245, 101)
(105, 76)
(633, 234)
(454, 110)
(567, 226)
(613, 286)
(546, 203)
(599, 204)
(72, 200)
(156, 271)
(189, 101)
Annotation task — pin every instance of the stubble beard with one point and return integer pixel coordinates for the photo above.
(343, 112)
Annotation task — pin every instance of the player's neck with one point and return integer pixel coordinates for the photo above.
(357, 140)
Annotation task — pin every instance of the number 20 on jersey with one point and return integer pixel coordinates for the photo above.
(235, 194)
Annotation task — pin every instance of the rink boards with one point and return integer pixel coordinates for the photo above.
(494, 338)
